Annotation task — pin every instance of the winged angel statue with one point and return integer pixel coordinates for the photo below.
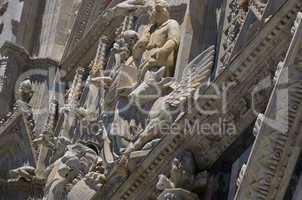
(169, 110)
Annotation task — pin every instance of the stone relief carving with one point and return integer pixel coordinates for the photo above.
(234, 22)
(159, 41)
(25, 90)
(163, 111)
(75, 166)
(124, 78)
(76, 162)
(122, 50)
(156, 47)
(183, 179)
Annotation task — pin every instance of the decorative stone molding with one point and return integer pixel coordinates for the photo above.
(234, 20)
(84, 51)
(80, 25)
(277, 146)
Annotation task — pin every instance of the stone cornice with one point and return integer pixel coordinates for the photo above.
(24, 58)
(278, 143)
(80, 25)
(84, 50)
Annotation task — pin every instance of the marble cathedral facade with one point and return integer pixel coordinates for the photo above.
(151, 99)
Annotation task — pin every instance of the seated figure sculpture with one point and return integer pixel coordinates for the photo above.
(159, 41)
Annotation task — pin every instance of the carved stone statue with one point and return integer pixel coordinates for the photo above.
(159, 41)
(183, 179)
(115, 101)
(25, 90)
(76, 162)
(57, 145)
(165, 110)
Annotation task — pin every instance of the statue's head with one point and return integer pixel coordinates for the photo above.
(184, 162)
(244, 4)
(158, 11)
(26, 90)
(130, 37)
(86, 155)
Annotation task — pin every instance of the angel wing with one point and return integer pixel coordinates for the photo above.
(196, 72)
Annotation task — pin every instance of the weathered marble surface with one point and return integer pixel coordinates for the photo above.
(77, 152)
(276, 148)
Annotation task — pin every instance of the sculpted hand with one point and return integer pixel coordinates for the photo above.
(159, 55)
